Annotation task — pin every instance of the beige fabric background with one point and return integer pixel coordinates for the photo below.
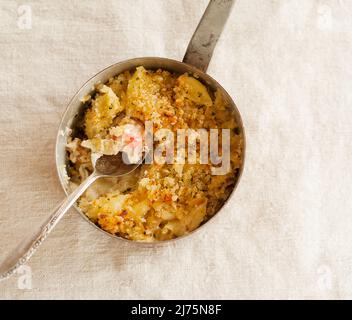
(287, 232)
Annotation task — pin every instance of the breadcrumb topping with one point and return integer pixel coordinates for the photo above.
(156, 202)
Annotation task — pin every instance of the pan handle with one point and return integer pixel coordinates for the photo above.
(200, 48)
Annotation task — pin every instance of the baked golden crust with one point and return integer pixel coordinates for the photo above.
(157, 201)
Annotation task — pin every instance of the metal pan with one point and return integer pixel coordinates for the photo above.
(195, 61)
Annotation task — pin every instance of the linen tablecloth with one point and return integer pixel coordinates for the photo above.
(288, 230)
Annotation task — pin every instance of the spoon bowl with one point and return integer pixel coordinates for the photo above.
(115, 165)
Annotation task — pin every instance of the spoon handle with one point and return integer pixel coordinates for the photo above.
(27, 247)
(200, 48)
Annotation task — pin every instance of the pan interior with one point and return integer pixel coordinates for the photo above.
(75, 110)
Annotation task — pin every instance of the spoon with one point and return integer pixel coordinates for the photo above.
(104, 166)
